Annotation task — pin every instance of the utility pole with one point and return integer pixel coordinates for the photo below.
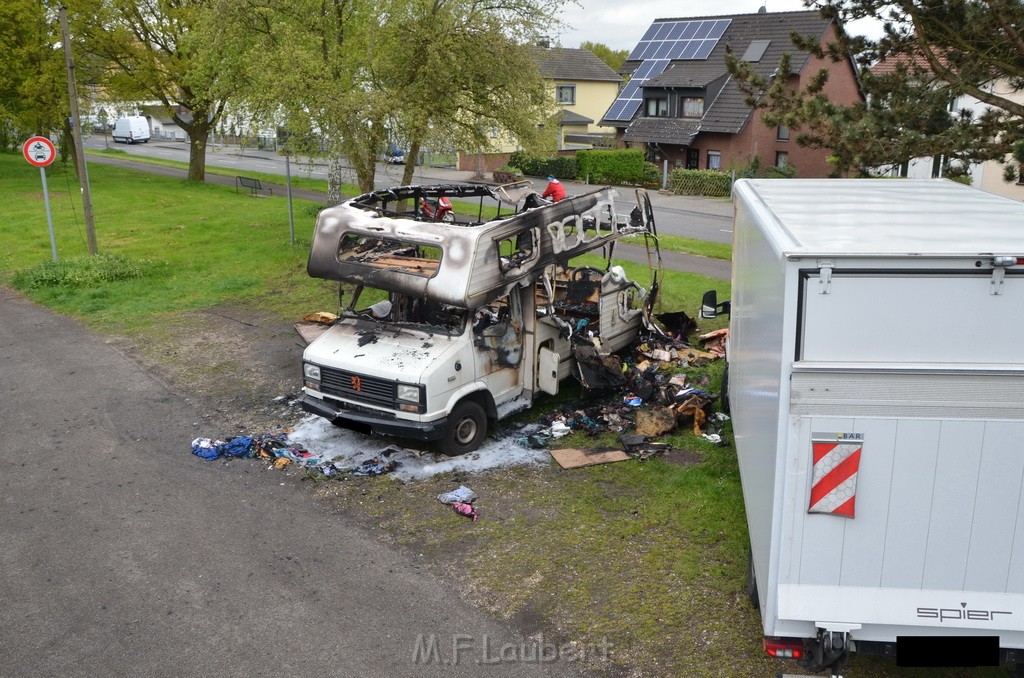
(76, 134)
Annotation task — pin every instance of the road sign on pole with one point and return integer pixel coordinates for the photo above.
(39, 151)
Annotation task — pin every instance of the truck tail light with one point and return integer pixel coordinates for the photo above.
(784, 648)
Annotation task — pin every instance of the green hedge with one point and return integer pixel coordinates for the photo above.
(611, 167)
(559, 166)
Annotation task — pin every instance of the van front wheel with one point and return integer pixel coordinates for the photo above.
(467, 428)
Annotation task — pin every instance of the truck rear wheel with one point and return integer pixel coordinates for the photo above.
(467, 428)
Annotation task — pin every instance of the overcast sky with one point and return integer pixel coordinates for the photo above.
(620, 25)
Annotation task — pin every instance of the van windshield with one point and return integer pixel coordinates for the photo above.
(414, 313)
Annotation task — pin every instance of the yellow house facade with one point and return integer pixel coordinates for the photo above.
(582, 88)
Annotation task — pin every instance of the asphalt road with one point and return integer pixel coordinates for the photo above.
(704, 219)
(125, 555)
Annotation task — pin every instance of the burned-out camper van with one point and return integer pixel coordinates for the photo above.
(450, 326)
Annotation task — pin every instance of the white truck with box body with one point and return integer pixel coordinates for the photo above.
(471, 320)
(876, 386)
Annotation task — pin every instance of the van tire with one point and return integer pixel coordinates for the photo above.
(467, 428)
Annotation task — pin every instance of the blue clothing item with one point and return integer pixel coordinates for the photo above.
(237, 447)
(374, 467)
(206, 448)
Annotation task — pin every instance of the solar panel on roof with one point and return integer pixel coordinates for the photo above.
(704, 50)
(690, 50)
(629, 100)
(719, 30)
(705, 29)
(629, 109)
(675, 40)
(663, 42)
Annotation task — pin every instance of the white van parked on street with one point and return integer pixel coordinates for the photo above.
(131, 130)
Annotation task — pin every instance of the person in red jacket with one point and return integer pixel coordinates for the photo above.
(555, 190)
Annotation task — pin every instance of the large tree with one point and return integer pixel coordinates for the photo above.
(33, 85)
(354, 73)
(930, 53)
(615, 58)
(153, 55)
(459, 70)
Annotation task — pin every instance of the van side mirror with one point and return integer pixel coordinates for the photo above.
(710, 308)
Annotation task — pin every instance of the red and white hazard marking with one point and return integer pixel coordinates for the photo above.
(834, 476)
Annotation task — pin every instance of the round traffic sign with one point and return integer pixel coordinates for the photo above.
(39, 151)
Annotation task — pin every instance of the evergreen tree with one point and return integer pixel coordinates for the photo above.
(931, 52)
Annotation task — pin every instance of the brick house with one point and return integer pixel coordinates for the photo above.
(682, 106)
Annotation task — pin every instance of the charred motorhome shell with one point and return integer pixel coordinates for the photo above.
(471, 271)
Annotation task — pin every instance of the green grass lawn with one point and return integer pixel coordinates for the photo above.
(668, 242)
(200, 245)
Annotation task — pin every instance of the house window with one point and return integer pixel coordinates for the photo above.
(565, 94)
(781, 159)
(782, 133)
(657, 108)
(692, 107)
(714, 160)
(693, 158)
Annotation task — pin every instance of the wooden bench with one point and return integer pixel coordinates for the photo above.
(254, 186)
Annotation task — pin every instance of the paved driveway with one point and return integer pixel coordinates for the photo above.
(124, 555)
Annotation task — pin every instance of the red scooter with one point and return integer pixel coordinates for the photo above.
(437, 210)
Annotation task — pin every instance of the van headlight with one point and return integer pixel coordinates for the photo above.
(311, 376)
(409, 393)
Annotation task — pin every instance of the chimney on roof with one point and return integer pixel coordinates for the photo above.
(763, 10)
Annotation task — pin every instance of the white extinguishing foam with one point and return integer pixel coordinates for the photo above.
(348, 448)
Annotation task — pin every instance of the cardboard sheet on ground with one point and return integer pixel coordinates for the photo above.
(310, 332)
(575, 458)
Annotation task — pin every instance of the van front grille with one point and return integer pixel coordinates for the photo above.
(358, 387)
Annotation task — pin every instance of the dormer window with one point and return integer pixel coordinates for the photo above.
(657, 108)
(691, 107)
